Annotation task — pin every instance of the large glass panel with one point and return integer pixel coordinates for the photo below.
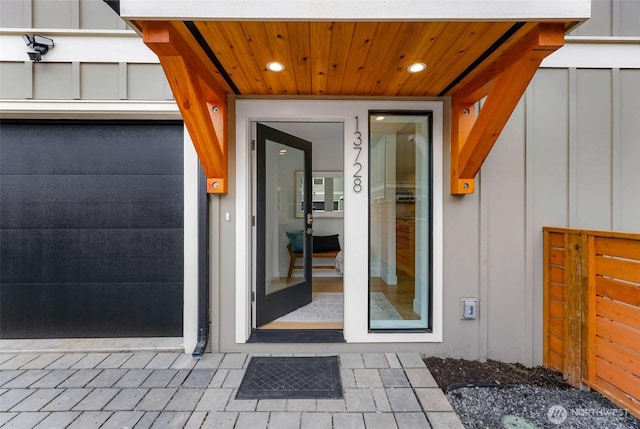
(284, 240)
(400, 220)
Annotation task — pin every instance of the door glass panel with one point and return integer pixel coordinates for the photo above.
(400, 218)
(327, 194)
(284, 238)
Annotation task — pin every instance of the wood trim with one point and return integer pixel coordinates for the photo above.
(546, 331)
(587, 323)
(201, 100)
(502, 82)
(573, 309)
(591, 313)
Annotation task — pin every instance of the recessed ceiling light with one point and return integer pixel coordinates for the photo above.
(416, 67)
(275, 66)
(379, 118)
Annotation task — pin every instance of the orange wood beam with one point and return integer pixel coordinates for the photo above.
(503, 82)
(202, 102)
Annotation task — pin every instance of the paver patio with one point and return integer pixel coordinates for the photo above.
(172, 390)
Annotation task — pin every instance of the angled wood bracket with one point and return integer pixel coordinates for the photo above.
(502, 82)
(201, 100)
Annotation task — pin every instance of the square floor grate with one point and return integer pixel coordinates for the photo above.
(291, 378)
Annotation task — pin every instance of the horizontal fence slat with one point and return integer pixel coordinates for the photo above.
(618, 396)
(556, 327)
(555, 361)
(556, 344)
(617, 333)
(625, 358)
(618, 291)
(556, 240)
(557, 292)
(556, 257)
(618, 377)
(618, 268)
(618, 247)
(621, 313)
(556, 274)
(556, 309)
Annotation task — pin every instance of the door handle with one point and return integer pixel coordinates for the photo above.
(309, 231)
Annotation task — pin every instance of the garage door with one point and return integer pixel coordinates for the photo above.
(91, 229)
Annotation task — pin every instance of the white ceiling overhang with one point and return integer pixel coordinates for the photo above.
(358, 10)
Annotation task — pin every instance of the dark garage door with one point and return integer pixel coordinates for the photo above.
(91, 229)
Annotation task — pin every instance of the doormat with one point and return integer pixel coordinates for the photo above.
(291, 378)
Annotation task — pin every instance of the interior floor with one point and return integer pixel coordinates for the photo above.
(319, 284)
(400, 296)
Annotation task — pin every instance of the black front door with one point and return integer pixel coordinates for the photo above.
(283, 223)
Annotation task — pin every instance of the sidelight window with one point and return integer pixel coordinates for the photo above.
(400, 180)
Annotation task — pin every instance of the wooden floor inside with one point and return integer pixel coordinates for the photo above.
(400, 296)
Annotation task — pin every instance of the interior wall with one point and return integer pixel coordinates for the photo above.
(327, 156)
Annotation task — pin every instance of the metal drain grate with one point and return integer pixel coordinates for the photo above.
(291, 378)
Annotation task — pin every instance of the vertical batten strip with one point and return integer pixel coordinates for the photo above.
(74, 5)
(616, 19)
(616, 151)
(122, 81)
(27, 10)
(75, 80)
(530, 302)
(572, 168)
(28, 79)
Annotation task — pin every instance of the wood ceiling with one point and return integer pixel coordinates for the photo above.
(349, 58)
(205, 61)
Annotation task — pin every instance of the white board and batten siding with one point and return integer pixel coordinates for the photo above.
(568, 157)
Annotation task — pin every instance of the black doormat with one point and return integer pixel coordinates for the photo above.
(291, 378)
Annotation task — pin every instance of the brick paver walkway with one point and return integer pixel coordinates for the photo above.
(172, 390)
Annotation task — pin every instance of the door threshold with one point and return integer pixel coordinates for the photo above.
(296, 336)
(303, 325)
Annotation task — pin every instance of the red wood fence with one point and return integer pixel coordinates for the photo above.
(592, 311)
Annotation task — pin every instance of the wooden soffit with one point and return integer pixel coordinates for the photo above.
(205, 60)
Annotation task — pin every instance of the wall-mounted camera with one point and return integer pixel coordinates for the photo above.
(39, 44)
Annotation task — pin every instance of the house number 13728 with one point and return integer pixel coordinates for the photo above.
(357, 166)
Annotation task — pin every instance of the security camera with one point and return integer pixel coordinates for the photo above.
(39, 44)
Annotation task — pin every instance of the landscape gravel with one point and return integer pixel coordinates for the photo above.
(521, 406)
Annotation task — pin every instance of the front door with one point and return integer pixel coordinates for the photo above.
(283, 224)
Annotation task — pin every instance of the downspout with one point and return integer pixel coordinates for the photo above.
(203, 266)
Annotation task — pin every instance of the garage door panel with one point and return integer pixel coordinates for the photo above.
(91, 229)
(97, 149)
(91, 201)
(91, 310)
(90, 255)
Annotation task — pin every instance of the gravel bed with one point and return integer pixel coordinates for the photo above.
(522, 406)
